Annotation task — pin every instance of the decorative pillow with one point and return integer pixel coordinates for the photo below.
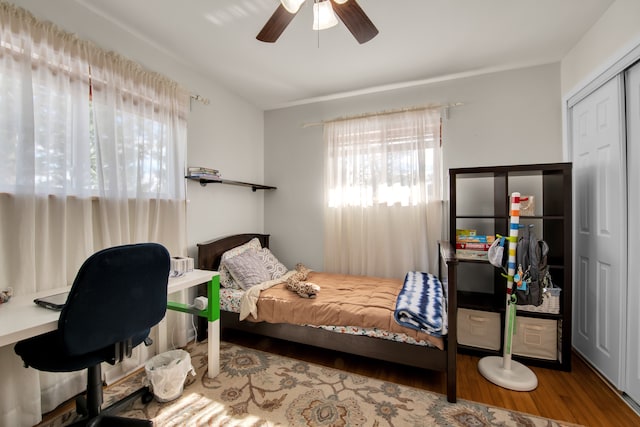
(226, 279)
(247, 269)
(271, 263)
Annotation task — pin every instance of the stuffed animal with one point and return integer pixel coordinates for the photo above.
(296, 283)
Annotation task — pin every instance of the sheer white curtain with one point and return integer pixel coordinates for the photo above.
(383, 194)
(92, 153)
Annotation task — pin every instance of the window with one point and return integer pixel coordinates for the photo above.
(379, 170)
(383, 193)
(92, 151)
(56, 149)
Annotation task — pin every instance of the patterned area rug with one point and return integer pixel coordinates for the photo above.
(262, 389)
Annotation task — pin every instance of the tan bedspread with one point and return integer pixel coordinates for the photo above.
(343, 300)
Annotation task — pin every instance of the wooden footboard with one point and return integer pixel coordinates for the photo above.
(209, 254)
(376, 348)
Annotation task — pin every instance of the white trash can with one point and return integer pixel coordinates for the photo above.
(166, 373)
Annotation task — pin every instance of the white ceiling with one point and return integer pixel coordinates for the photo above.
(419, 40)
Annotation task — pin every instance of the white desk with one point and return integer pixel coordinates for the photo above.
(20, 318)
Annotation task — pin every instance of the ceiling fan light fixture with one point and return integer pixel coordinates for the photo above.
(292, 6)
(323, 16)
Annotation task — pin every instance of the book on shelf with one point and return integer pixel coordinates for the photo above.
(201, 169)
(198, 172)
(471, 245)
(476, 246)
(472, 254)
(205, 176)
(476, 239)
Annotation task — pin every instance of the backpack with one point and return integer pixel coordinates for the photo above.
(531, 262)
(532, 271)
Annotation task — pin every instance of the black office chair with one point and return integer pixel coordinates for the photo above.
(118, 294)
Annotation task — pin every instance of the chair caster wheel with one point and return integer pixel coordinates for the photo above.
(147, 397)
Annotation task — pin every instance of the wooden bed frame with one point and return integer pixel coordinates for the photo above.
(209, 254)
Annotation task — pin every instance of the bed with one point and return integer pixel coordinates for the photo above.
(412, 352)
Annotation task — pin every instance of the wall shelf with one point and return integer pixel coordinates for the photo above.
(254, 187)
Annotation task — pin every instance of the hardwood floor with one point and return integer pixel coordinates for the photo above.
(579, 396)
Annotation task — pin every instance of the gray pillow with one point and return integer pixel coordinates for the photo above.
(247, 269)
(275, 268)
(226, 279)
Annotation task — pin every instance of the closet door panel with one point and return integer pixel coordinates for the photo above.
(599, 225)
(633, 182)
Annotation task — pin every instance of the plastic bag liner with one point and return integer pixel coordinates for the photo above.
(166, 373)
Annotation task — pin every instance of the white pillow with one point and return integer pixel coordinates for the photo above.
(247, 269)
(275, 268)
(226, 279)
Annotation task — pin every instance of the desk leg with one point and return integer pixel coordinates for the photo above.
(213, 344)
(213, 336)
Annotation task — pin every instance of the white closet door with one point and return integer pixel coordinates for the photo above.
(599, 229)
(633, 288)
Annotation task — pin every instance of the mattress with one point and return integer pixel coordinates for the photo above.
(230, 301)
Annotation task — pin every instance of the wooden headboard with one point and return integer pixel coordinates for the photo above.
(209, 253)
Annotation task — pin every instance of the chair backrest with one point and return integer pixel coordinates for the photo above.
(118, 293)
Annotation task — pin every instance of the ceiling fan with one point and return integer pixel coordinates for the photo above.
(324, 12)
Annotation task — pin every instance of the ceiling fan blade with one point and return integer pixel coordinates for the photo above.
(354, 18)
(275, 25)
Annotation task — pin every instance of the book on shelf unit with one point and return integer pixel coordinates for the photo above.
(472, 254)
(476, 246)
(471, 245)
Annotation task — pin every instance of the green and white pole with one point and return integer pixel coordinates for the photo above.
(510, 312)
(502, 370)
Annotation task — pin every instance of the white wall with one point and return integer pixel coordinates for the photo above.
(226, 134)
(510, 117)
(612, 36)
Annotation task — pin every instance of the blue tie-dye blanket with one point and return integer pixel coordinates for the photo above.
(422, 305)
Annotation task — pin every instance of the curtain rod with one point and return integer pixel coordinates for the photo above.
(386, 112)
